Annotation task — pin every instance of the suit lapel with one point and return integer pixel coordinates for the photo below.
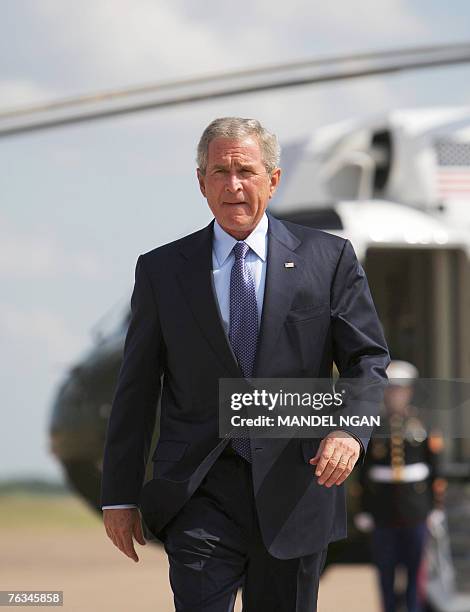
(195, 277)
(279, 291)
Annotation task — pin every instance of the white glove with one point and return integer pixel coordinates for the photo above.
(364, 522)
(435, 521)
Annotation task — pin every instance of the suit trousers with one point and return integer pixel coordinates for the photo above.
(214, 546)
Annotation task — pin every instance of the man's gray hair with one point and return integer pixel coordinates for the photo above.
(239, 127)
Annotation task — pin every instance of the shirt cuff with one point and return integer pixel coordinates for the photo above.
(118, 506)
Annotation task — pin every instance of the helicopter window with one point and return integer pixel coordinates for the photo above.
(382, 152)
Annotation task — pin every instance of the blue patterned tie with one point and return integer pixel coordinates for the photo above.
(243, 332)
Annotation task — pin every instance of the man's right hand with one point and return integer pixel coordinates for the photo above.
(122, 524)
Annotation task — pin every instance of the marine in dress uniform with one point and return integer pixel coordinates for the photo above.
(398, 481)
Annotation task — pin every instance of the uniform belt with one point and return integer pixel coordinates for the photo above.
(413, 472)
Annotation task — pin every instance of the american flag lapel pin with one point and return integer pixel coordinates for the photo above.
(289, 264)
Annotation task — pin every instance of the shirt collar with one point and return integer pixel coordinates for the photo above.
(224, 243)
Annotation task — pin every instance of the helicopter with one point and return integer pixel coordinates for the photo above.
(395, 185)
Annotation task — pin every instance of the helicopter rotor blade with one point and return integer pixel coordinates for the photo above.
(108, 104)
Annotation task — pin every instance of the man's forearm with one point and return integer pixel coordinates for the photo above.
(133, 413)
(359, 347)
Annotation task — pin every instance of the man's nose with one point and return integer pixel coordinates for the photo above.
(233, 182)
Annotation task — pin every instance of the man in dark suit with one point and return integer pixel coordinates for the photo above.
(247, 296)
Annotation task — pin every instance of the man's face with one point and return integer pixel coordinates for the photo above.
(236, 184)
(397, 398)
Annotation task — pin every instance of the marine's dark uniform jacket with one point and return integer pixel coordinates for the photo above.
(398, 473)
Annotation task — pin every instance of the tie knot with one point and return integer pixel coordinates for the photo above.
(240, 249)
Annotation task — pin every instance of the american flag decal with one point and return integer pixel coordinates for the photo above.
(453, 171)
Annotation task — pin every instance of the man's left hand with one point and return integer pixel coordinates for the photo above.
(335, 458)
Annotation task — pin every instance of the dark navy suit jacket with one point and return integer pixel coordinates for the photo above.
(314, 313)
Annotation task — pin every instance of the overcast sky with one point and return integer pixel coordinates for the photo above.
(78, 205)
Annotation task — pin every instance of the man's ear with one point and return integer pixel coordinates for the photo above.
(275, 178)
(202, 181)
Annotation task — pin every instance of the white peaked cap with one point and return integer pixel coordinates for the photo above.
(402, 372)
